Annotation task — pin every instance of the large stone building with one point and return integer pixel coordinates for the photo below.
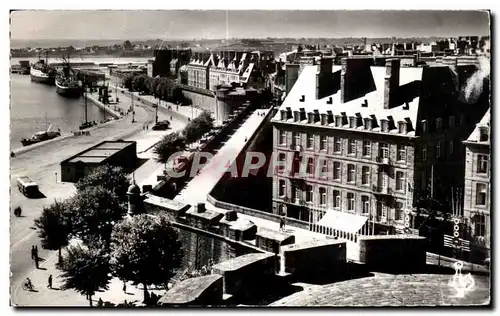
(476, 207)
(370, 140)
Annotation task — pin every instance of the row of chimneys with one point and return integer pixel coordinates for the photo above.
(344, 120)
(228, 55)
(352, 68)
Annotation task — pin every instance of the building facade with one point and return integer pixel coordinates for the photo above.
(476, 207)
(369, 140)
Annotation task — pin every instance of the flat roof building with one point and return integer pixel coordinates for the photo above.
(115, 153)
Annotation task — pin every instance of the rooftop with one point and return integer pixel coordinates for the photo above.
(475, 136)
(100, 152)
(305, 88)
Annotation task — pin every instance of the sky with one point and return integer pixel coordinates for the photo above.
(136, 25)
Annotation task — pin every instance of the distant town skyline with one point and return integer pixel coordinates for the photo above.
(184, 24)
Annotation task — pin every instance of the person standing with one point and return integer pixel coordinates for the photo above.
(282, 224)
(33, 252)
(50, 282)
(124, 287)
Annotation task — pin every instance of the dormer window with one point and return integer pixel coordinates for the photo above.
(352, 122)
(384, 125)
(368, 123)
(310, 118)
(483, 134)
(323, 119)
(338, 121)
(402, 127)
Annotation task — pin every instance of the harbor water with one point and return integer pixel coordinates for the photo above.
(34, 106)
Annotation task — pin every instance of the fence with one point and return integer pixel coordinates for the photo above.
(329, 231)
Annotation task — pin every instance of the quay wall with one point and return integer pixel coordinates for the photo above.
(104, 107)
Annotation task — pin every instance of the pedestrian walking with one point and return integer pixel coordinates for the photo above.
(36, 261)
(36, 251)
(124, 287)
(33, 252)
(282, 224)
(50, 282)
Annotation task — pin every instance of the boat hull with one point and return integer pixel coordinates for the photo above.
(69, 92)
(31, 141)
(41, 77)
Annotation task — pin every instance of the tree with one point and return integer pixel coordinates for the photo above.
(139, 83)
(53, 228)
(127, 45)
(195, 129)
(94, 213)
(127, 82)
(85, 270)
(145, 250)
(108, 177)
(169, 145)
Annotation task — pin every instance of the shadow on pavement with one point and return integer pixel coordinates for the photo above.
(38, 195)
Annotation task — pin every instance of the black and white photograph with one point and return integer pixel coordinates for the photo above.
(250, 158)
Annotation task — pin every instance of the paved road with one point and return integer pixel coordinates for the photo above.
(42, 165)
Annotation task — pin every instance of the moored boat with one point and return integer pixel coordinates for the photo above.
(67, 83)
(40, 137)
(42, 72)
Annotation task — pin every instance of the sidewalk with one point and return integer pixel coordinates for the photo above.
(45, 297)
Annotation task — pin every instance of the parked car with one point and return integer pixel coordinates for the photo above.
(161, 126)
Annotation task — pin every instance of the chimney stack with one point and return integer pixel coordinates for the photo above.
(343, 82)
(391, 82)
(306, 61)
(291, 76)
(323, 79)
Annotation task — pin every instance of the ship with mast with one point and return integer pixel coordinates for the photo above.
(40, 137)
(42, 72)
(67, 83)
(86, 124)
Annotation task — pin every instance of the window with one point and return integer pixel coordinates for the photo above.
(400, 181)
(309, 194)
(402, 127)
(424, 126)
(383, 180)
(282, 138)
(336, 199)
(282, 188)
(352, 147)
(281, 209)
(338, 121)
(322, 142)
(310, 166)
(296, 138)
(424, 152)
(383, 151)
(281, 162)
(352, 122)
(398, 213)
(401, 153)
(365, 201)
(368, 123)
(480, 194)
(310, 141)
(439, 124)
(296, 194)
(451, 121)
(350, 201)
(480, 225)
(337, 146)
(324, 169)
(351, 173)
(384, 125)
(365, 175)
(336, 170)
(381, 210)
(482, 163)
(451, 147)
(367, 148)
(438, 149)
(322, 196)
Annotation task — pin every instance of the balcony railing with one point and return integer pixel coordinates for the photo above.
(382, 190)
(384, 160)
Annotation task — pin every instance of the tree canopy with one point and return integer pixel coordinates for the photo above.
(85, 270)
(145, 250)
(109, 177)
(168, 145)
(95, 211)
(52, 226)
(195, 129)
